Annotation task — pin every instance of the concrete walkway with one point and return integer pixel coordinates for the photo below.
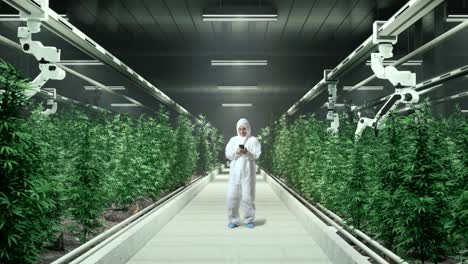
(199, 233)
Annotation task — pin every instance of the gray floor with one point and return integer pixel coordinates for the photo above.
(199, 233)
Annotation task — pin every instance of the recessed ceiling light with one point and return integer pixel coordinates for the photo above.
(237, 88)
(234, 18)
(408, 63)
(94, 88)
(81, 62)
(364, 88)
(456, 18)
(16, 17)
(240, 13)
(237, 105)
(124, 105)
(239, 62)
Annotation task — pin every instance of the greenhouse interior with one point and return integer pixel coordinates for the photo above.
(234, 131)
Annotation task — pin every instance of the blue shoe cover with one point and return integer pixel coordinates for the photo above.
(232, 225)
(250, 225)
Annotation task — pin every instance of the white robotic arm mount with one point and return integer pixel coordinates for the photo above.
(51, 101)
(48, 57)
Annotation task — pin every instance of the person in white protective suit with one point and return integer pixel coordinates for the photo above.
(242, 150)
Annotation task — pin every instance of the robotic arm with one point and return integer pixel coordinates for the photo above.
(401, 96)
(402, 80)
(48, 57)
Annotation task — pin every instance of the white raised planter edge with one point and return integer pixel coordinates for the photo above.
(334, 246)
(124, 245)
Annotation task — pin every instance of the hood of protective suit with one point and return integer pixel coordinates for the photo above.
(243, 122)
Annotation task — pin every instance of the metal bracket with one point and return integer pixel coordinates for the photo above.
(51, 101)
(332, 115)
(379, 39)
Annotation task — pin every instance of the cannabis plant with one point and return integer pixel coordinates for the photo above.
(23, 190)
(203, 146)
(87, 199)
(185, 152)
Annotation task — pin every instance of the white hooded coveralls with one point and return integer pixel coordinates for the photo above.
(241, 186)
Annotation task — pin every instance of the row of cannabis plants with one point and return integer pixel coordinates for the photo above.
(73, 165)
(406, 187)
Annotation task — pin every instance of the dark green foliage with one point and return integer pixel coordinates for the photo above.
(266, 137)
(406, 188)
(185, 153)
(422, 191)
(281, 148)
(70, 166)
(46, 131)
(165, 163)
(203, 146)
(24, 205)
(86, 199)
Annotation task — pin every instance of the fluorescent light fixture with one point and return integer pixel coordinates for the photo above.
(456, 18)
(237, 88)
(408, 63)
(364, 88)
(237, 105)
(240, 13)
(240, 17)
(94, 88)
(239, 62)
(124, 105)
(464, 111)
(16, 17)
(80, 62)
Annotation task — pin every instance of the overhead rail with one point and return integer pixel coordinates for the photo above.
(15, 45)
(402, 20)
(65, 30)
(421, 87)
(445, 36)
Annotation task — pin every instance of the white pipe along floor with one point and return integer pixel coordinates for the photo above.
(199, 232)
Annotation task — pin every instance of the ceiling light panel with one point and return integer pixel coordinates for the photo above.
(456, 18)
(94, 88)
(240, 13)
(364, 88)
(239, 62)
(236, 105)
(237, 88)
(81, 62)
(16, 17)
(390, 62)
(124, 105)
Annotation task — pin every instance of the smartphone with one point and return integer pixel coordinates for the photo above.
(241, 146)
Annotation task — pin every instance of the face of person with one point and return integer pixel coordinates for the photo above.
(242, 131)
